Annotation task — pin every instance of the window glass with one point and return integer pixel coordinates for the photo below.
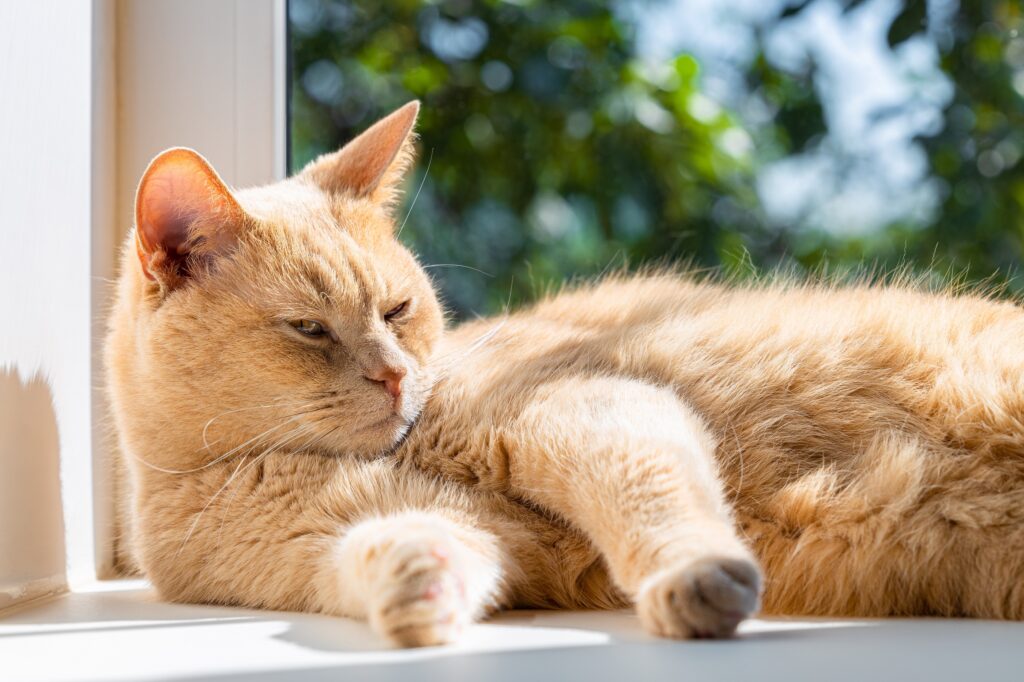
(571, 137)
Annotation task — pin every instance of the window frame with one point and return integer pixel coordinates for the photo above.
(206, 74)
(209, 74)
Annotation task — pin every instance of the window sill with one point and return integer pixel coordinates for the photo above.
(119, 631)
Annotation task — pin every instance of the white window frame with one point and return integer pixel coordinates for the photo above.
(45, 304)
(207, 74)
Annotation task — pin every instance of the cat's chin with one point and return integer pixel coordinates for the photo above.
(381, 438)
(397, 439)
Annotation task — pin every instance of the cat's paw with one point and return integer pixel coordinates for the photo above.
(420, 598)
(705, 598)
(422, 584)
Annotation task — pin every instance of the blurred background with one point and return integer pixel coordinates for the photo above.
(568, 137)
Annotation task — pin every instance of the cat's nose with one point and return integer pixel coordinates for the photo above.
(390, 377)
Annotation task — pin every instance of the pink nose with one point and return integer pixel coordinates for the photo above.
(390, 377)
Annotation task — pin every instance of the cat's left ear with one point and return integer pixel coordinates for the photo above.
(373, 164)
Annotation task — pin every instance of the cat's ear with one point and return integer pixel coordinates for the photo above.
(373, 164)
(184, 213)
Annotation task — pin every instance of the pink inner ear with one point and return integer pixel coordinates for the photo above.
(161, 220)
(179, 190)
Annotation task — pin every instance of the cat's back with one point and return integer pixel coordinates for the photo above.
(671, 313)
(816, 368)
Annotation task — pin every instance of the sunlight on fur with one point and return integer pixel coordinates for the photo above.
(304, 434)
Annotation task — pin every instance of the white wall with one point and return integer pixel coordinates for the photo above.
(206, 74)
(45, 286)
(90, 92)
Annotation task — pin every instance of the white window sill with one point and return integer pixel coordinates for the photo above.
(118, 631)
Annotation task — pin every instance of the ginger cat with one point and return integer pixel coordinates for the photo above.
(302, 430)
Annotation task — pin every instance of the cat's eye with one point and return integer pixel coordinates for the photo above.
(396, 311)
(309, 327)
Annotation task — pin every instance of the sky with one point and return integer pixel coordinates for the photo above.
(868, 171)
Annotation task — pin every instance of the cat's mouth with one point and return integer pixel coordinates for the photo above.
(392, 420)
(385, 432)
(390, 431)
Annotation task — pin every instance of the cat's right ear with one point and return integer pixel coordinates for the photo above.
(373, 164)
(184, 214)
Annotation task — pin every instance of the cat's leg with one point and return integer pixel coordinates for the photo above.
(633, 467)
(419, 577)
(415, 557)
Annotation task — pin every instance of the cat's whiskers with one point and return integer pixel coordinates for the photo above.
(288, 438)
(458, 265)
(417, 195)
(253, 442)
(202, 511)
(206, 427)
(233, 494)
(221, 458)
(445, 363)
(259, 458)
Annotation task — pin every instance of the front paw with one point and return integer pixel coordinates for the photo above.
(419, 579)
(704, 598)
(421, 594)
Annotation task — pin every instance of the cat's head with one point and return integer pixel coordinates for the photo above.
(287, 314)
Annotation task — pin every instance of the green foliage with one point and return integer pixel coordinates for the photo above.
(978, 154)
(549, 150)
(978, 233)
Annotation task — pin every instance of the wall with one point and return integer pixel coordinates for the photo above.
(45, 287)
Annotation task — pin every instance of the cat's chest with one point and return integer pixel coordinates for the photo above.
(459, 445)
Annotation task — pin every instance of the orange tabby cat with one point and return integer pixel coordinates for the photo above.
(639, 440)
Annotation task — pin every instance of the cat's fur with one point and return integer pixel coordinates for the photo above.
(638, 440)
